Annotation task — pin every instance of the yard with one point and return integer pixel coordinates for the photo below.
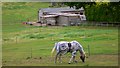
(25, 45)
(33, 46)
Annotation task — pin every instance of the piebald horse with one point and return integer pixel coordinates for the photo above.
(64, 47)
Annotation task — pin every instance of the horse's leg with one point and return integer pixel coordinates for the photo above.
(64, 52)
(70, 60)
(60, 59)
(73, 57)
(56, 56)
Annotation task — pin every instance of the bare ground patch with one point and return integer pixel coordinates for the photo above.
(93, 60)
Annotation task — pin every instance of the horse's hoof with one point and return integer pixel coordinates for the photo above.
(75, 61)
(69, 63)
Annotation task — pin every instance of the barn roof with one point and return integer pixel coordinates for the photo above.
(65, 14)
(48, 16)
(71, 15)
(58, 10)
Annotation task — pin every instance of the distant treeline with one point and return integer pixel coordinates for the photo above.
(99, 11)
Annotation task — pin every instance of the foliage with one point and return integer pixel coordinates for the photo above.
(100, 11)
(79, 4)
(19, 41)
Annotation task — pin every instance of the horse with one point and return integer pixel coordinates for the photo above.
(64, 47)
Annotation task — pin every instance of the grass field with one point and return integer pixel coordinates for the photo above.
(24, 45)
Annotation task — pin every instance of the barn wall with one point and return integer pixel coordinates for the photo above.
(62, 20)
(51, 21)
(68, 20)
(40, 14)
(74, 20)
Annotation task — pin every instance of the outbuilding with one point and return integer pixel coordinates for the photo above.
(61, 16)
(68, 19)
(49, 19)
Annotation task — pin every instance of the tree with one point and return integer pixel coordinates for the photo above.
(79, 4)
(99, 11)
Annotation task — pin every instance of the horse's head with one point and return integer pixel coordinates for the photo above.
(82, 57)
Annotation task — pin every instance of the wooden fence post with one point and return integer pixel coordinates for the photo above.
(89, 50)
(16, 39)
(31, 53)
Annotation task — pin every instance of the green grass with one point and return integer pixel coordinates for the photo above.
(104, 42)
(18, 40)
(13, 14)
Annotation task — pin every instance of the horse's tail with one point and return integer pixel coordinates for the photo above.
(53, 49)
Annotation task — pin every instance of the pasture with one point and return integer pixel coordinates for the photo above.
(33, 46)
(25, 45)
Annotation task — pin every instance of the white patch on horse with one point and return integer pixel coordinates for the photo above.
(63, 47)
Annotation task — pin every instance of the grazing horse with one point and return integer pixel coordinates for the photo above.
(64, 47)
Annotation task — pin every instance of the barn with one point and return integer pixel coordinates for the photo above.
(61, 16)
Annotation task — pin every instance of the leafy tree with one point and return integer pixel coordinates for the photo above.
(99, 11)
(79, 4)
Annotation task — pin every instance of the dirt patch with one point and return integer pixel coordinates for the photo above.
(103, 60)
(93, 60)
(39, 24)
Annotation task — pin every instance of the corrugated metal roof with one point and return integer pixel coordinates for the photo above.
(59, 13)
(47, 16)
(65, 14)
(70, 15)
(57, 10)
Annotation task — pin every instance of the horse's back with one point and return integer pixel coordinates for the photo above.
(76, 45)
